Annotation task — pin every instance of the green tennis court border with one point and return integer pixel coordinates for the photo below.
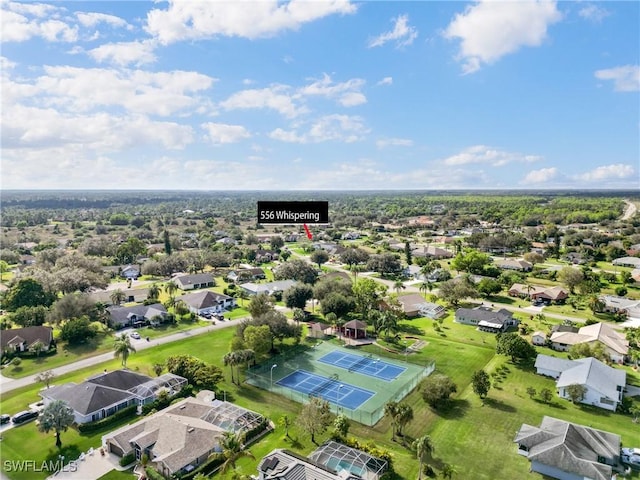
(266, 375)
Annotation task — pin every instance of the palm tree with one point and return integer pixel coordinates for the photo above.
(231, 360)
(425, 287)
(391, 411)
(403, 416)
(171, 288)
(154, 291)
(37, 347)
(423, 447)
(233, 449)
(122, 348)
(117, 297)
(389, 323)
(448, 471)
(56, 416)
(398, 286)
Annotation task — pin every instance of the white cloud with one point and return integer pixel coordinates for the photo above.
(220, 133)
(84, 89)
(543, 175)
(403, 34)
(394, 142)
(341, 128)
(346, 93)
(490, 30)
(386, 81)
(91, 19)
(125, 53)
(488, 155)
(18, 23)
(42, 129)
(625, 78)
(593, 13)
(203, 20)
(617, 171)
(276, 97)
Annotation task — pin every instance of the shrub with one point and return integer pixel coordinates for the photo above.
(128, 459)
(153, 474)
(129, 411)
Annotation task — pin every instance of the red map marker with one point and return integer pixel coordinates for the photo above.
(306, 229)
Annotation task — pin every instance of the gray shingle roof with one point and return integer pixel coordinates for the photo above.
(594, 375)
(481, 314)
(570, 447)
(122, 315)
(548, 362)
(87, 398)
(29, 335)
(204, 299)
(198, 278)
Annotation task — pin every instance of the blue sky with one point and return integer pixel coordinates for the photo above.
(317, 95)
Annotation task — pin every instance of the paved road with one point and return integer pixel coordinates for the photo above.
(8, 384)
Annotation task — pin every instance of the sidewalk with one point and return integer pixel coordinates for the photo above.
(92, 467)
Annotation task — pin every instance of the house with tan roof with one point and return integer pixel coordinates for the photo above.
(569, 451)
(555, 294)
(615, 344)
(182, 436)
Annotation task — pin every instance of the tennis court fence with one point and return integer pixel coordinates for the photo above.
(369, 414)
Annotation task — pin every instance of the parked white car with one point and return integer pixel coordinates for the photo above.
(135, 335)
(631, 456)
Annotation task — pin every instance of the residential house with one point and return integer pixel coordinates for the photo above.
(227, 241)
(130, 272)
(137, 315)
(616, 346)
(604, 385)
(194, 282)
(555, 294)
(246, 275)
(569, 451)
(622, 305)
(268, 288)
(137, 295)
(330, 461)
(16, 340)
(350, 236)
(107, 393)
(265, 256)
(179, 438)
(292, 237)
(318, 329)
(515, 264)
(633, 262)
(206, 301)
(432, 251)
(414, 305)
(539, 338)
(486, 319)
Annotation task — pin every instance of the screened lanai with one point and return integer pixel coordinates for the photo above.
(337, 456)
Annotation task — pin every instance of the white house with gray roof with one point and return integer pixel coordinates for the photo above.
(604, 385)
(268, 288)
(207, 301)
(137, 315)
(195, 281)
(568, 451)
(103, 395)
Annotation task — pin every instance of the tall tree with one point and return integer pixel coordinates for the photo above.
(319, 257)
(514, 346)
(436, 390)
(403, 416)
(367, 293)
(423, 446)
(167, 243)
(122, 348)
(480, 383)
(153, 292)
(315, 417)
(297, 296)
(571, 277)
(171, 288)
(27, 292)
(56, 416)
(407, 253)
(45, 377)
(260, 304)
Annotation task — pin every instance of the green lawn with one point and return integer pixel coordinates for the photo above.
(100, 344)
(469, 431)
(117, 475)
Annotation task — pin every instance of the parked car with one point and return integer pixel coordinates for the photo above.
(25, 416)
(4, 418)
(135, 335)
(631, 456)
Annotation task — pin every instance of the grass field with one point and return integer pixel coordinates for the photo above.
(474, 436)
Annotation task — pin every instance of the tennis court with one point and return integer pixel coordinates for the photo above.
(331, 389)
(366, 365)
(357, 384)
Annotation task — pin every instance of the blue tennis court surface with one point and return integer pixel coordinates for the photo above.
(330, 389)
(369, 366)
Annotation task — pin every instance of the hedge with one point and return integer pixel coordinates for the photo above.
(129, 411)
(153, 474)
(128, 459)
